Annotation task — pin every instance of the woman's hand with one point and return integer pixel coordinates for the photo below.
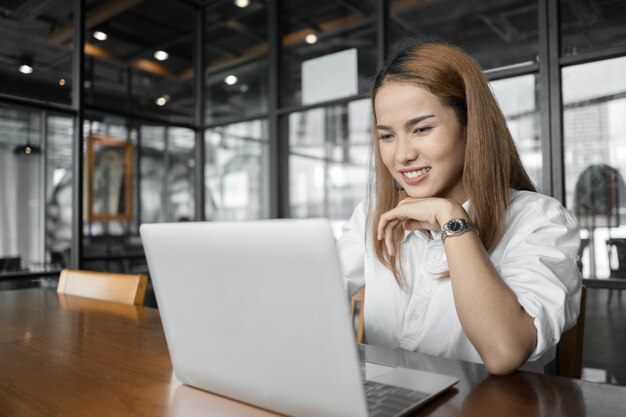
(417, 214)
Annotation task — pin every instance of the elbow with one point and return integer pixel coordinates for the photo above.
(504, 360)
(501, 367)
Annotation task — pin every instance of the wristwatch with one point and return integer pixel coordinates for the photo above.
(456, 227)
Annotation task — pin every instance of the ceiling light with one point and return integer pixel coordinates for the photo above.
(161, 101)
(26, 69)
(101, 36)
(161, 55)
(62, 82)
(230, 80)
(311, 38)
(241, 3)
(27, 149)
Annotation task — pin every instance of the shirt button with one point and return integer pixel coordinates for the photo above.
(424, 284)
(414, 316)
(432, 255)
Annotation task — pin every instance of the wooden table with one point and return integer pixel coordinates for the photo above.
(70, 356)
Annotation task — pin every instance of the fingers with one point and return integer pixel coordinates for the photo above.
(390, 234)
(412, 224)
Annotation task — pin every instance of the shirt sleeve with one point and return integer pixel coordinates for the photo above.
(539, 265)
(351, 250)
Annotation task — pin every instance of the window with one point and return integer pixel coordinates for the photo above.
(236, 171)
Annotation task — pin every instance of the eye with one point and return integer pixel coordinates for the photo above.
(385, 137)
(422, 130)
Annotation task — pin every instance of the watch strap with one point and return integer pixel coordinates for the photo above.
(456, 227)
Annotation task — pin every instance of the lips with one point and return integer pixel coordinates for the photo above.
(414, 176)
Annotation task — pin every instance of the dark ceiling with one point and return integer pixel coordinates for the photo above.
(496, 32)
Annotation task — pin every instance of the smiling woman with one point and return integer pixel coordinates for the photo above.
(434, 137)
(459, 255)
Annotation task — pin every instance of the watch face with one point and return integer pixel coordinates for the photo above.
(455, 226)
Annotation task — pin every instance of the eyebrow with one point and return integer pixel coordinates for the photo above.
(409, 123)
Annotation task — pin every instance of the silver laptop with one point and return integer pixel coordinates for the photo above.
(257, 311)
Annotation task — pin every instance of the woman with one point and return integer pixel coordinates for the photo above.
(460, 257)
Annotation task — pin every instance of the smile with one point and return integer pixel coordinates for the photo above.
(415, 174)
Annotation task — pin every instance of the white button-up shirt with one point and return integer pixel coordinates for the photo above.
(536, 258)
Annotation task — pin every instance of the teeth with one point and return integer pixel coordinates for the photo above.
(415, 174)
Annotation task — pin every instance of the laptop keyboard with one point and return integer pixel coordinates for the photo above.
(386, 400)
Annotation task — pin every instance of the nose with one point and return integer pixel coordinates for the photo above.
(405, 151)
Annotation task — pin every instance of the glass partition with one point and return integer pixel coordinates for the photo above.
(236, 172)
(180, 174)
(58, 211)
(235, 46)
(329, 150)
(518, 99)
(594, 102)
(140, 60)
(35, 190)
(21, 199)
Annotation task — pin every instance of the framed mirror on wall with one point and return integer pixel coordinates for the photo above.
(109, 179)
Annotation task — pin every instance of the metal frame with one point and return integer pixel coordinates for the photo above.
(78, 93)
(511, 71)
(198, 116)
(43, 178)
(382, 31)
(278, 149)
(544, 95)
(556, 106)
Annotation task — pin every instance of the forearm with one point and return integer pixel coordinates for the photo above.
(501, 331)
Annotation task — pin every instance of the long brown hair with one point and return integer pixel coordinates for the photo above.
(492, 164)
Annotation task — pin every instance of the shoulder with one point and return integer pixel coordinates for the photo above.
(520, 198)
(358, 219)
(528, 210)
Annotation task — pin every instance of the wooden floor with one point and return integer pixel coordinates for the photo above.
(604, 351)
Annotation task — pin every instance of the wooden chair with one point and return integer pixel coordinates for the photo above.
(359, 298)
(120, 288)
(570, 348)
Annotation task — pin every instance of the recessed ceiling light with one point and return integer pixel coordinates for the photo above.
(101, 36)
(26, 69)
(230, 80)
(161, 55)
(311, 38)
(241, 3)
(62, 82)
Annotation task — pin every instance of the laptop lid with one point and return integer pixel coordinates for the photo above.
(257, 311)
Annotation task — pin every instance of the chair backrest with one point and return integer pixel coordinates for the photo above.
(618, 270)
(570, 350)
(120, 288)
(358, 299)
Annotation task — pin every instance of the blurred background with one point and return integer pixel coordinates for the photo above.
(174, 110)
